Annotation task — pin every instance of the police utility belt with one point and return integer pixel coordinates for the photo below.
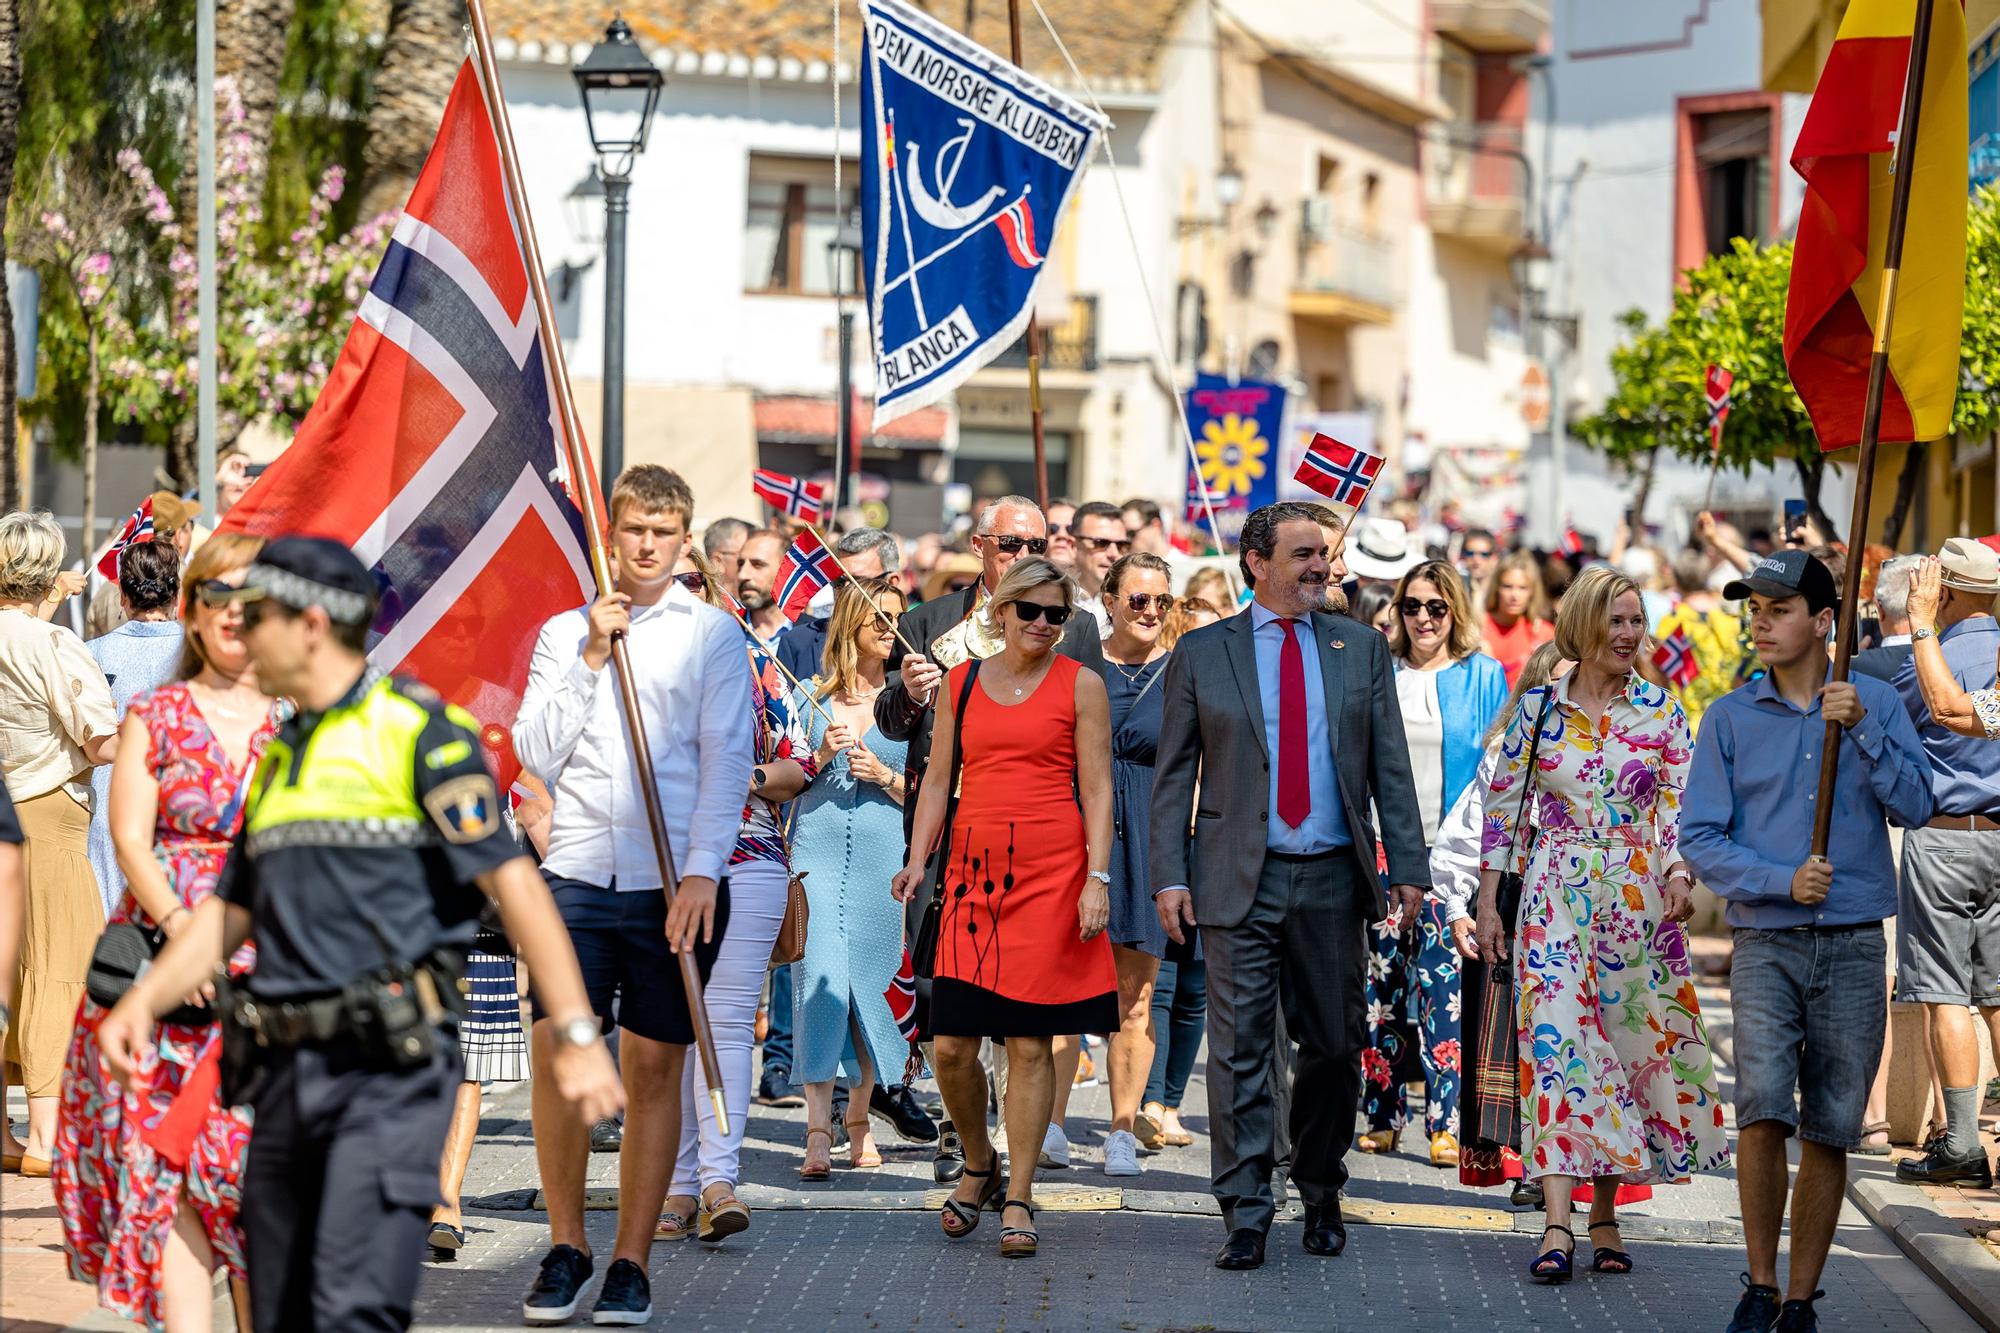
(392, 1016)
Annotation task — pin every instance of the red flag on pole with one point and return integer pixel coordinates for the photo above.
(138, 528)
(1340, 472)
(1716, 391)
(806, 568)
(1676, 660)
(791, 496)
(433, 451)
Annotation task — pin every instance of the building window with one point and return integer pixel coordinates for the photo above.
(792, 217)
(1732, 151)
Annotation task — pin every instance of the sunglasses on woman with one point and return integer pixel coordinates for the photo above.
(1141, 602)
(1030, 612)
(1436, 608)
(692, 581)
(215, 594)
(1015, 545)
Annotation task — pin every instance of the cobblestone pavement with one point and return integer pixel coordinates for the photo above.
(863, 1250)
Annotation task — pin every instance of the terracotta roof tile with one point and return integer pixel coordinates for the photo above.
(1117, 43)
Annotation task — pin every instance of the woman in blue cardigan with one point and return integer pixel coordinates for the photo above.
(1449, 692)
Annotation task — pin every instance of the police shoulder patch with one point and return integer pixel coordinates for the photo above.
(416, 691)
(465, 809)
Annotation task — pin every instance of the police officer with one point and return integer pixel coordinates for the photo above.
(372, 827)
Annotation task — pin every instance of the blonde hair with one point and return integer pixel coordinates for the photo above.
(710, 589)
(1208, 576)
(31, 554)
(1583, 622)
(840, 660)
(1464, 640)
(1023, 577)
(1535, 673)
(1524, 564)
(223, 553)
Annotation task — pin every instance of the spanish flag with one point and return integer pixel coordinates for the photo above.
(1845, 152)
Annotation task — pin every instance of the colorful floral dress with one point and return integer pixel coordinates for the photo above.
(1616, 1076)
(125, 1157)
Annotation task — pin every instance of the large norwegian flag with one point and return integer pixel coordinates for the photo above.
(433, 449)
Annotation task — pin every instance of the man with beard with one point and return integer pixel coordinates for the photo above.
(756, 577)
(1285, 716)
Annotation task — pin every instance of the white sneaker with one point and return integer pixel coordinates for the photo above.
(1055, 1149)
(1121, 1154)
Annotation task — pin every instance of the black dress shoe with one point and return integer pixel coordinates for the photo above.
(1939, 1166)
(1326, 1234)
(1243, 1250)
(900, 1109)
(949, 1164)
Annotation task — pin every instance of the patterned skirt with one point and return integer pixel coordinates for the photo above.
(495, 1047)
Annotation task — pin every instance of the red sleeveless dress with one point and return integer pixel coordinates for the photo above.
(1009, 961)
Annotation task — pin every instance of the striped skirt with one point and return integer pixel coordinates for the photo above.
(495, 1046)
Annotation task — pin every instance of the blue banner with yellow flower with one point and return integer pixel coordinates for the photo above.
(1236, 432)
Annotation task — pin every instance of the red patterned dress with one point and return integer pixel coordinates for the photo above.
(124, 1158)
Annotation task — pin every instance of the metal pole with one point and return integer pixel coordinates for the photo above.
(205, 303)
(1034, 325)
(846, 459)
(617, 207)
(1871, 411)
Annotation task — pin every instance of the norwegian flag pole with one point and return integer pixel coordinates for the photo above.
(1716, 394)
(583, 477)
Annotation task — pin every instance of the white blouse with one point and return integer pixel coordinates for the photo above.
(1423, 729)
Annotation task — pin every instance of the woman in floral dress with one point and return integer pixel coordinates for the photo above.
(1617, 1083)
(148, 1178)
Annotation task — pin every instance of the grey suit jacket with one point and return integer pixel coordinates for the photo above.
(1213, 734)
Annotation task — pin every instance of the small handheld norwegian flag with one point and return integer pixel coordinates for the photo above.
(1572, 541)
(138, 528)
(1716, 391)
(793, 496)
(1340, 472)
(807, 567)
(1675, 658)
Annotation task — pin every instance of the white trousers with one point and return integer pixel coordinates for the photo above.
(735, 984)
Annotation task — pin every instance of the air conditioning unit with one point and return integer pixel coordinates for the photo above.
(1316, 219)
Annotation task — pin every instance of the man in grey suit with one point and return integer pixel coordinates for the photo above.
(1285, 719)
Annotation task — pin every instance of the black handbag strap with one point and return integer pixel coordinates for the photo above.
(1528, 786)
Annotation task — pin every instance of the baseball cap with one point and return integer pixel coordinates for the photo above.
(1788, 574)
(299, 572)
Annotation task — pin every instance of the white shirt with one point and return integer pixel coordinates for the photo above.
(1095, 606)
(1455, 851)
(1423, 732)
(694, 697)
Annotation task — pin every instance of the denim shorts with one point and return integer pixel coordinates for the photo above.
(1810, 1009)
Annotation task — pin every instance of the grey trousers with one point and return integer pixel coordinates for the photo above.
(1303, 946)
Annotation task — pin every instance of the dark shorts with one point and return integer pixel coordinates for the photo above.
(621, 944)
(1810, 1008)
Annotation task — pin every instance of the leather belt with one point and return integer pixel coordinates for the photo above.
(1966, 823)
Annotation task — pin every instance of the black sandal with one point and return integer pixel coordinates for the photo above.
(1604, 1259)
(1552, 1267)
(1018, 1242)
(967, 1215)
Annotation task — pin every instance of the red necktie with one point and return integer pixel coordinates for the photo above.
(1294, 771)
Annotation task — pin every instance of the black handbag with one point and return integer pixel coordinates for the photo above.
(123, 953)
(1507, 896)
(923, 954)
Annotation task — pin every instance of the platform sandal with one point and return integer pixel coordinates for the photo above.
(1605, 1259)
(1018, 1242)
(966, 1215)
(1552, 1267)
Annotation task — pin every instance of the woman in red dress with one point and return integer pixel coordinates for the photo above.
(147, 1177)
(1022, 955)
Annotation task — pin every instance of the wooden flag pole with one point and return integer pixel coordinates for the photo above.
(1034, 324)
(582, 475)
(1871, 416)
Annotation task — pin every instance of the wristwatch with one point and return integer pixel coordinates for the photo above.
(1102, 875)
(581, 1031)
(1916, 634)
(758, 779)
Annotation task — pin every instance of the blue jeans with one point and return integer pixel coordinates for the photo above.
(1180, 1009)
(778, 1038)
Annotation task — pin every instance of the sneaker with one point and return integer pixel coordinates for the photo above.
(552, 1300)
(1798, 1316)
(1121, 1154)
(1939, 1166)
(607, 1135)
(627, 1298)
(1757, 1310)
(1055, 1149)
(777, 1089)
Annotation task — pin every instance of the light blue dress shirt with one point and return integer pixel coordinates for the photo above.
(1326, 827)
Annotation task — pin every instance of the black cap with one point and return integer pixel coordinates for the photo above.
(1789, 573)
(312, 571)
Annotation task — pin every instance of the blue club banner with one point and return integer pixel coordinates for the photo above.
(1236, 428)
(968, 167)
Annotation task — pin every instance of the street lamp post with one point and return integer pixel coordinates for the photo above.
(843, 258)
(618, 83)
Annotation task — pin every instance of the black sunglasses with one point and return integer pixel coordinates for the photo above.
(1030, 612)
(1120, 545)
(1015, 545)
(1140, 601)
(216, 594)
(254, 612)
(1437, 608)
(1476, 553)
(1060, 529)
(693, 582)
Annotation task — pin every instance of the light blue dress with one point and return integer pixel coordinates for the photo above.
(847, 840)
(139, 655)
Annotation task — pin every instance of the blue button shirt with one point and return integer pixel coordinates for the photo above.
(1326, 827)
(1965, 770)
(1747, 812)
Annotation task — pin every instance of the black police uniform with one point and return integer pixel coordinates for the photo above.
(365, 828)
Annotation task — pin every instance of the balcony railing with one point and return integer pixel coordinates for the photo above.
(1492, 25)
(1070, 345)
(1476, 185)
(1347, 277)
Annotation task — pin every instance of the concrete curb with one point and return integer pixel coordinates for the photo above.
(1942, 1247)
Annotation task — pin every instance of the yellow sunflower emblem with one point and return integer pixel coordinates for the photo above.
(1232, 453)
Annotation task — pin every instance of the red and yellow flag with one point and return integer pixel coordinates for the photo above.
(1846, 152)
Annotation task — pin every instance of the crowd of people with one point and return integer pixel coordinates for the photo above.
(1368, 808)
